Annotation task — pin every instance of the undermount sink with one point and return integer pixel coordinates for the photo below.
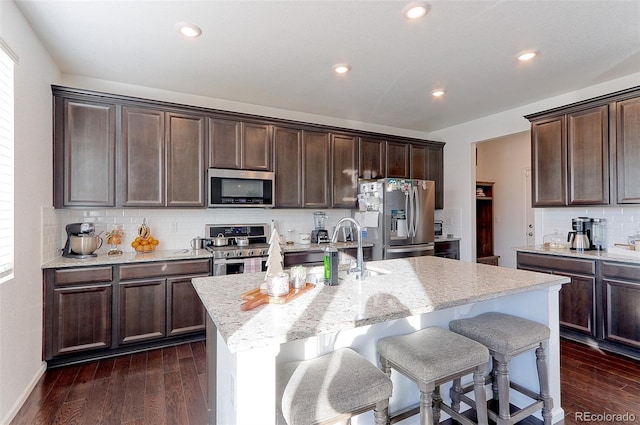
(368, 272)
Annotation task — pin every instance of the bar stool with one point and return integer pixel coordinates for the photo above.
(331, 388)
(431, 357)
(507, 336)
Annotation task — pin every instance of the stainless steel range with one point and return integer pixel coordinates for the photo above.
(237, 248)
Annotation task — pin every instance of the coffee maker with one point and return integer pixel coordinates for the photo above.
(84, 230)
(580, 238)
(320, 234)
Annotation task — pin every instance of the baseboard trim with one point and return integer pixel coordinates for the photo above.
(24, 396)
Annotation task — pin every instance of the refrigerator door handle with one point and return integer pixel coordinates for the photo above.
(411, 248)
(417, 211)
(409, 212)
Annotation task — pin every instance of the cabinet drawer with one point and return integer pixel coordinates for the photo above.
(162, 269)
(83, 276)
(620, 271)
(552, 262)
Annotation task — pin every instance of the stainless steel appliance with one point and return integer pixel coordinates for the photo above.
(398, 216)
(240, 188)
(437, 228)
(320, 233)
(247, 247)
(580, 237)
(82, 241)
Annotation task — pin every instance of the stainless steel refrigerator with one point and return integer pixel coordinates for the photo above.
(398, 215)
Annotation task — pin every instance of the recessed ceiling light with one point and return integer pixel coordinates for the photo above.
(437, 93)
(527, 56)
(341, 68)
(416, 9)
(189, 30)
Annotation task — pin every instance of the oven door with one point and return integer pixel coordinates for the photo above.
(225, 266)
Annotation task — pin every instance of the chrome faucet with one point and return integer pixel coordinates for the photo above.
(360, 265)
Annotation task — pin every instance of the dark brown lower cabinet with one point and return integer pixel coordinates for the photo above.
(142, 311)
(601, 304)
(621, 290)
(447, 249)
(82, 317)
(92, 312)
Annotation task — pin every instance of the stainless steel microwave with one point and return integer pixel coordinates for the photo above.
(240, 188)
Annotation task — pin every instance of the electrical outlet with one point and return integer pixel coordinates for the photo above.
(174, 227)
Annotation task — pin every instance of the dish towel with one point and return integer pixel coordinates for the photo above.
(252, 265)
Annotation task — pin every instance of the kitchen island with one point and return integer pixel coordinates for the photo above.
(408, 294)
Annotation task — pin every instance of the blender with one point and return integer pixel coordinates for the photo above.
(320, 233)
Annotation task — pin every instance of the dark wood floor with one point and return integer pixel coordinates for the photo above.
(168, 386)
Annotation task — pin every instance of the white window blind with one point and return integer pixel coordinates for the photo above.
(6, 164)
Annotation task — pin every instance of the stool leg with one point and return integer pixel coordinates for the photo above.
(381, 413)
(502, 378)
(543, 377)
(480, 395)
(494, 380)
(437, 401)
(454, 393)
(426, 404)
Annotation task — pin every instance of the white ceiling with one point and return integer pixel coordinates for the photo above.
(280, 53)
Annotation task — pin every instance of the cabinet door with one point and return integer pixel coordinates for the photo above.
(398, 160)
(372, 159)
(549, 162)
(287, 145)
(142, 310)
(143, 167)
(622, 311)
(577, 304)
(315, 169)
(185, 160)
(628, 151)
(588, 154)
(82, 319)
(186, 314)
(344, 171)
(256, 146)
(84, 150)
(224, 144)
(435, 172)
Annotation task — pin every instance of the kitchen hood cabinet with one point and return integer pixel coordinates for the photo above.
(239, 145)
(587, 153)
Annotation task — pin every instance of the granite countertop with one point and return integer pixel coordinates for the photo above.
(612, 254)
(412, 286)
(128, 257)
(173, 254)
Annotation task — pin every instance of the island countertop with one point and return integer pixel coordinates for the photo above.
(410, 286)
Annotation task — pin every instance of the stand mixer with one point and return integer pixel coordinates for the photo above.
(320, 234)
(82, 241)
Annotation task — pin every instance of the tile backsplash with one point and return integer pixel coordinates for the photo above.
(621, 221)
(174, 228)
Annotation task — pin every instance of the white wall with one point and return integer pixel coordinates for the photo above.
(504, 161)
(459, 155)
(21, 298)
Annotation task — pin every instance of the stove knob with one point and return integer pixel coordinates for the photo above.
(250, 253)
(239, 254)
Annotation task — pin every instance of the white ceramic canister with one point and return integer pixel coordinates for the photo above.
(278, 285)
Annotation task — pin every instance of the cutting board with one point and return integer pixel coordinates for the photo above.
(254, 298)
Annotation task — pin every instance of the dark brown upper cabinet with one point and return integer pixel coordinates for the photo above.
(301, 168)
(427, 163)
(162, 158)
(372, 158)
(398, 160)
(239, 145)
(586, 153)
(570, 159)
(287, 148)
(344, 171)
(84, 153)
(628, 151)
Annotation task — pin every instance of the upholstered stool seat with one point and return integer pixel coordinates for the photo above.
(507, 336)
(331, 388)
(431, 357)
